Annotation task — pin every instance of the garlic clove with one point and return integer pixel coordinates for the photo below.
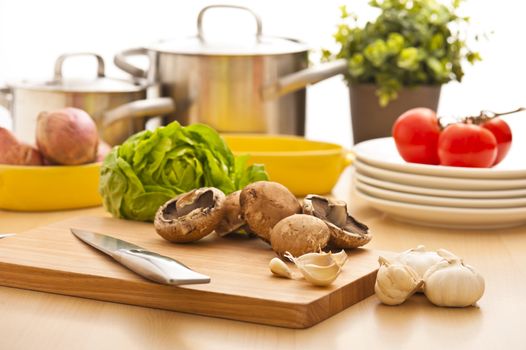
(395, 282)
(279, 268)
(320, 275)
(317, 268)
(321, 258)
(339, 258)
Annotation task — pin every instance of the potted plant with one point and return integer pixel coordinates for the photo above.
(400, 60)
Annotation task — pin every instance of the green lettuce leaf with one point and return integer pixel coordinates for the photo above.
(152, 167)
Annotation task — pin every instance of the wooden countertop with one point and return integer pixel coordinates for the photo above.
(34, 320)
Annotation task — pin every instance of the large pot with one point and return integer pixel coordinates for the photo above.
(119, 107)
(257, 87)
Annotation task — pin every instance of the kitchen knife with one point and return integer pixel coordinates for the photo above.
(153, 266)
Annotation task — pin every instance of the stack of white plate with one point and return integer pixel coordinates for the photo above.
(441, 196)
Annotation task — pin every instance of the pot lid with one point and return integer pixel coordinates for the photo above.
(259, 46)
(99, 84)
(201, 45)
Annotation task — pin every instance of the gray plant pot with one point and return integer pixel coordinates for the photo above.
(370, 120)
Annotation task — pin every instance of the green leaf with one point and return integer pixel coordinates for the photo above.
(150, 168)
(413, 42)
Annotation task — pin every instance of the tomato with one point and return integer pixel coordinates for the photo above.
(502, 132)
(467, 145)
(416, 133)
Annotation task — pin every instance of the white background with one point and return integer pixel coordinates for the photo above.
(34, 33)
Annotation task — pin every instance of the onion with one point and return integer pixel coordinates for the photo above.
(103, 151)
(67, 136)
(14, 152)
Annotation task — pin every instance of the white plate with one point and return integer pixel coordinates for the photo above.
(448, 217)
(438, 192)
(439, 201)
(382, 153)
(439, 181)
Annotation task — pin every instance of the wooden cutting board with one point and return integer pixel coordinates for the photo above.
(51, 259)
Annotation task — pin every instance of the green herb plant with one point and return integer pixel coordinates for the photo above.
(410, 43)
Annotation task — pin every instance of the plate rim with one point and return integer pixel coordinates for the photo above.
(434, 170)
(434, 181)
(406, 197)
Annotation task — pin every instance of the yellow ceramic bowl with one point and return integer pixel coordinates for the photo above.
(41, 188)
(302, 165)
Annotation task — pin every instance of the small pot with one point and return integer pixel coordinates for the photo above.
(119, 107)
(255, 87)
(370, 120)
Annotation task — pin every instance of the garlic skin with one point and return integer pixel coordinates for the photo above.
(339, 258)
(419, 259)
(279, 268)
(450, 283)
(317, 268)
(395, 282)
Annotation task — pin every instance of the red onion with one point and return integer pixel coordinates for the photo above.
(103, 151)
(67, 136)
(14, 152)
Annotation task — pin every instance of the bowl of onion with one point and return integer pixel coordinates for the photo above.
(61, 171)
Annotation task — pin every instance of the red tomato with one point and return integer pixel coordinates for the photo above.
(467, 145)
(416, 136)
(502, 132)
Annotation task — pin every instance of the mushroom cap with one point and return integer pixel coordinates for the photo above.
(299, 234)
(346, 231)
(264, 204)
(232, 219)
(190, 216)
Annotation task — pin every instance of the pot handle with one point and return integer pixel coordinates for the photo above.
(200, 31)
(60, 62)
(301, 79)
(138, 109)
(121, 61)
(348, 158)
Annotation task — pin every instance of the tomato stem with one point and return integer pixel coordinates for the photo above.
(486, 115)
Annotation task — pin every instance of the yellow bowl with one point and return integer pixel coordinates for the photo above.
(41, 188)
(302, 165)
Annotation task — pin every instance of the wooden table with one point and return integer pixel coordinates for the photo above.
(34, 320)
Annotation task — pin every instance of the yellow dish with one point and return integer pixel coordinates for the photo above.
(302, 165)
(42, 188)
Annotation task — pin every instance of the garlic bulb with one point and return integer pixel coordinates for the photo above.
(279, 268)
(395, 282)
(451, 283)
(419, 259)
(317, 268)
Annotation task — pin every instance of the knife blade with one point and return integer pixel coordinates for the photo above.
(153, 266)
(4, 235)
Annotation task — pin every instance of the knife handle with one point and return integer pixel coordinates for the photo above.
(158, 268)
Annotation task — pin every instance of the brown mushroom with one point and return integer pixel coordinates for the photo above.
(190, 216)
(232, 219)
(299, 234)
(346, 231)
(264, 204)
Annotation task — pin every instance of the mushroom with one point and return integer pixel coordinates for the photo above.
(346, 231)
(264, 204)
(299, 234)
(232, 219)
(190, 216)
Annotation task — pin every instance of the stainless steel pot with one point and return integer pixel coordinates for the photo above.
(119, 107)
(252, 87)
